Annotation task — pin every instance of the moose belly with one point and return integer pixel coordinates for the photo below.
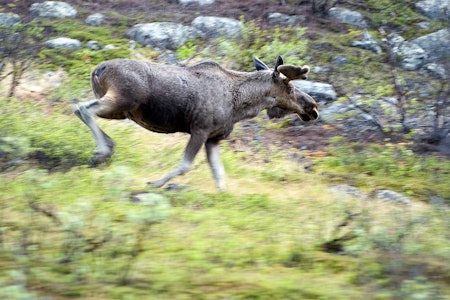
(159, 121)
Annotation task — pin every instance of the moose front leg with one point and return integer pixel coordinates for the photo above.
(195, 143)
(104, 144)
(213, 155)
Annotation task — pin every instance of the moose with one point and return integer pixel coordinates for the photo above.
(204, 100)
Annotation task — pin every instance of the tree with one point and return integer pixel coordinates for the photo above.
(19, 47)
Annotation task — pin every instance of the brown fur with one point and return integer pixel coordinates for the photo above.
(204, 100)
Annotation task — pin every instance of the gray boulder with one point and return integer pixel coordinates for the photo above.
(435, 44)
(334, 111)
(391, 196)
(196, 2)
(95, 19)
(321, 92)
(214, 27)
(434, 70)
(345, 189)
(444, 145)
(284, 20)
(411, 56)
(434, 9)
(367, 43)
(162, 35)
(53, 9)
(93, 45)
(64, 43)
(9, 19)
(347, 16)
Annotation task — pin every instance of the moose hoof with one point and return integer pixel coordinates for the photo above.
(155, 184)
(99, 158)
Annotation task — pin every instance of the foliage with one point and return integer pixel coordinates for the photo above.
(40, 136)
(398, 14)
(266, 44)
(391, 166)
(81, 232)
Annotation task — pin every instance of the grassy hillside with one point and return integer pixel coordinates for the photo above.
(71, 231)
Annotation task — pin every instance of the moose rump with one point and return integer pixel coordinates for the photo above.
(204, 100)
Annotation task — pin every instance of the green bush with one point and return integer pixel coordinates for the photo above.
(266, 44)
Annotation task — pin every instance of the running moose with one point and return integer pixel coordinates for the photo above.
(204, 100)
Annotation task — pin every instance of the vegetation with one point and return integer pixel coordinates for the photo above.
(70, 231)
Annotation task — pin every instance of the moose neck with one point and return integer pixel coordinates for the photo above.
(251, 94)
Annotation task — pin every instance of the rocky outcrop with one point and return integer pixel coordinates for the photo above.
(434, 9)
(9, 19)
(213, 27)
(347, 16)
(426, 49)
(435, 44)
(53, 9)
(162, 35)
(411, 56)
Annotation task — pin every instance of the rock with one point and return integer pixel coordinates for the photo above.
(367, 43)
(411, 56)
(434, 9)
(110, 47)
(340, 60)
(425, 49)
(168, 57)
(53, 9)
(424, 25)
(284, 20)
(63, 42)
(436, 44)
(444, 145)
(95, 19)
(391, 196)
(196, 2)
(434, 70)
(9, 19)
(347, 16)
(319, 91)
(93, 45)
(162, 35)
(334, 111)
(214, 27)
(348, 190)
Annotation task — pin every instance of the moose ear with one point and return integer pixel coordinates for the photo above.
(279, 62)
(294, 72)
(259, 65)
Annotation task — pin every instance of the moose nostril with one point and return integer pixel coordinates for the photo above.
(315, 114)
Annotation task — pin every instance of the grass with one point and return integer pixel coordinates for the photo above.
(72, 232)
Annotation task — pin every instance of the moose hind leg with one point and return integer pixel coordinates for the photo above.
(104, 144)
(195, 143)
(215, 163)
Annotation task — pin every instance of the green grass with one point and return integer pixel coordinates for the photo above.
(72, 232)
